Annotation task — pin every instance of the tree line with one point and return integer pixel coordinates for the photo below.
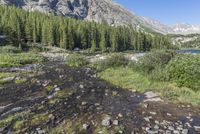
(35, 27)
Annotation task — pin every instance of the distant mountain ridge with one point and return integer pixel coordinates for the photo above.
(99, 11)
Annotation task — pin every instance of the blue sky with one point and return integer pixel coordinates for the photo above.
(166, 11)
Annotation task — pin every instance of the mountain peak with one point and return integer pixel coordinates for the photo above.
(100, 10)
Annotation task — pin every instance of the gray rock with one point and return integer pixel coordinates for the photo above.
(176, 132)
(81, 86)
(171, 128)
(91, 10)
(84, 103)
(57, 89)
(197, 128)
(153, 113)
(156, 127)
(86, 126)
(151, 95)
(185, 131)
(168, 114)
(106, 121)
(116, 122)
(147, 119)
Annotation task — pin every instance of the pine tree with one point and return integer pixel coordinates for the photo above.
(103, 41)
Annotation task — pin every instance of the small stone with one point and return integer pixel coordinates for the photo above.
(120, 115)
(188, 124)
(94, 76)
(81, 86)
(134, 91)
(97, 104)
(84, 103)
(41, 131)
(78, 97)
(146, 105)
(106, 121)
(197, 128)
(147, 119)
(153, 113)
(176, 132)
(156, 127)
(120, 131)
(151, 95)
(171, 128)
(185, 131)
(86, 126)
(61, 76)
(150, 131)
(191, 120)
(188, 106)
(168, 132)
(116, 122)
(168, 114)
(157, 122)
(99, 108)
(57, 89)
(55, 86)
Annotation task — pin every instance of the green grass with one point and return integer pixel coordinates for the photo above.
(76, 60)
(20, 59)
(5, 75)
(132, 80)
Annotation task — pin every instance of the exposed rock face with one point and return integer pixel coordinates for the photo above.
(98, 11)
(68, 8)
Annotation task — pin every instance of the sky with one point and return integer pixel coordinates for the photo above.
(168, 12)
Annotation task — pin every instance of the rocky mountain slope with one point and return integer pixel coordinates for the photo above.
(98, 11)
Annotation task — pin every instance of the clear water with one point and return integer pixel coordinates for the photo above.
(192, 51)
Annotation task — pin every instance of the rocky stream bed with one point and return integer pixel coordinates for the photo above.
(54, 98)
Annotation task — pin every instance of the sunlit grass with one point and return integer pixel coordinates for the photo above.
(132, 80)
(16, 60)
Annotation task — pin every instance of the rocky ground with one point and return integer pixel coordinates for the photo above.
(54, 98)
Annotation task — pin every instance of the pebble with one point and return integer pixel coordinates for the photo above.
(171, 128)
(197, 128)
(81, 86)
(185, 131)
(153, 113)
(176, 132)
(86, 126)
(116, 122)
(120, 115)
(168, 114)
(134, 91)
(146, 105)
(97, 104)
(147, 119)
(106, 121)
(57, 89)
(156, 127)
(157, 122)
(121, 132)
(78, 97)
(84, 103)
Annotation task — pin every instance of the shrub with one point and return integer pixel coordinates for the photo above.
(185, 71)
(16, 60)
(115, 60)
(154, 60)
(9, 49)
(76, 60)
